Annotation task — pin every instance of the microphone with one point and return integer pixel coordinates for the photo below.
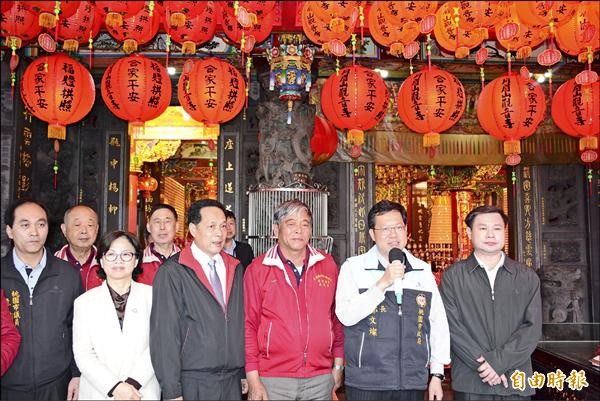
(397, 254)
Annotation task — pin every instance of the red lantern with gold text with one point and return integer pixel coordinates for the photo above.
(114, 12)
(355, 99)
(429, 102)
(510, 109)
(80, 27)
(197, 29)
(138, 29)
(136, 89)
(50, 11)
(212, 91)
(576, 111)
(324, 140)
(58, 90)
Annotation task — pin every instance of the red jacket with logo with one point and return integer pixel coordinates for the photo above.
(291, 330)
(150, 264)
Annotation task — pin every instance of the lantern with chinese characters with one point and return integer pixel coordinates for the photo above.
(576, 111)
(247, 37)
(394, 36)
(147, 184)
(581, 32)
(79, 28)
(399, 12)
(514, 35)
(535, 13)
(451, 37)
(211, 91)
(290, 72)
(114, 12)
(178, 12)
(197, 29)
(509, 109)
(324, 141)
(18, 25)
(248, 13)
(317, 30)
(478, 14)
(138, 29)
(58, 90)
(136, 89)
(356, 99)
(50, 11)
(429, 102)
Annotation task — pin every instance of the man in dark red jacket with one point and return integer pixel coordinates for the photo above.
(294, 342)
(11, 339)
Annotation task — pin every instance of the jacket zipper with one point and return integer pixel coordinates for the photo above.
(362, 343)
(307, 317)
(428, 353)
(269, 337)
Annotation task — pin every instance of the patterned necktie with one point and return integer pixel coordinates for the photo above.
(215, 281)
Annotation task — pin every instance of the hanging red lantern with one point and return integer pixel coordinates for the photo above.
(136, 89)
(178, 12)
(510, 109)
(138, 29)
(80, 27)
(58, 90)
(514, 35)
(534, 13)
(18, 25)
(581, 31)
(114, 12)
(396, 37)
(576, 111)
(50, 11)
(355, 99)
(147, 184)
(213, 92)
(549, 57)
(256, 34)
(399, 12)
(317, 29)
(429, 102)
(324, 140)
(478, 14)
(248, 13)
(197, 29)
(453, 38)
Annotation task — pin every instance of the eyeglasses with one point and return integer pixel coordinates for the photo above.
(388, 230)
(126, 256)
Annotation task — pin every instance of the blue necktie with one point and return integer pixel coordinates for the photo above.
(215, 281)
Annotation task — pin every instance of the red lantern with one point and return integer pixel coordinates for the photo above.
(324, 140)
(18, 25)
(581, 31)
(197, 29)
(213, 92)
(115, 11)
(80, 27)
(355, 99)
(534, 13)
(49, 11)
(58, 90)
(510, 108)
(136, 89)
(256, 34)
(476, 14)
(514, 35)
(138, 29)
(576, 111)
(147, 184)
(318, 31)
(396, 37)
(178, 12)
(399, 12)
(445, 31)
(429, 102)
(549, 57)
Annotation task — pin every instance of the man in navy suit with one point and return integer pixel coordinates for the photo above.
(239, 250)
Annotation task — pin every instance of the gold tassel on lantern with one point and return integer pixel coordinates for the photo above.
(136, 129)
(588, 142)
(356, 137)
(130, 45)
(512, 147)
(431, 139)
(47, 20)
(71, 45)
(113, 20)
(337, 25)
(396, 49)
(177, 19)
(56, 131)
(211, 130)
(13, 41)
(188, 47)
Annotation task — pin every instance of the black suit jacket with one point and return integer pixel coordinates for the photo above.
(243, 252)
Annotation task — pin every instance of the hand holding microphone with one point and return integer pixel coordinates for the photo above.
(394, 272)
(397, 256)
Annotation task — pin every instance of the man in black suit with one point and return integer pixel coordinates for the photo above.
(240, 250)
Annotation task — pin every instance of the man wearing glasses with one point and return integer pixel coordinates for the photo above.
(396, 332)
(197, 319)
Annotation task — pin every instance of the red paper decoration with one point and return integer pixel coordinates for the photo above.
(324, 140)
(356, 99)
(197, 29)
(213, 91)
(510, 108)
(136, 89)
(80, 27)
(576, 111)
(58, 90)
(138, 29)
(429, 102)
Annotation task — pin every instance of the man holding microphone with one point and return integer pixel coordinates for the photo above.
(396, 332)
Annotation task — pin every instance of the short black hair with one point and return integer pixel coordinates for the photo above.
(194, 216)
(9, 215)
(484, 210)
(105, 243)
(158, 206)
(229, 215)
(385, 206)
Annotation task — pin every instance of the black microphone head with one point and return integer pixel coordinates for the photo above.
(397, 254)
